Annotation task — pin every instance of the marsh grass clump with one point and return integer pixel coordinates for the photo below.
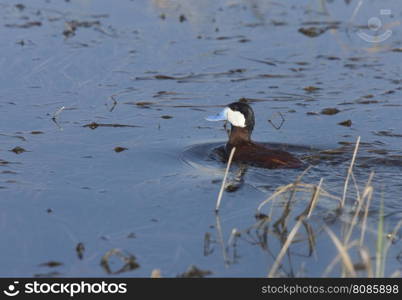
(302, 224)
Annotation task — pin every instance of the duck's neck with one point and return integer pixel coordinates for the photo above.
(239, 136)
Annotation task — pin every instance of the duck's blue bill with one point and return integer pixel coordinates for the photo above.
(222, 116)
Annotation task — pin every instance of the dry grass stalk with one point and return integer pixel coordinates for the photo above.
(285, 247)
(383, 255)
(364, 254)
(346, 260)
(218, 201)
(314, 200)
(396, 274)
(310, 207)
(283, 189)
(156, 273)
(220, 240)
(345, 188)
(300, 187)
(337, 258)
(367, 193)
(233, 236)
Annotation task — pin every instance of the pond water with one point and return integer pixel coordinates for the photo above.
(103, 108)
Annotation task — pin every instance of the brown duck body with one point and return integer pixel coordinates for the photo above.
(257, 154)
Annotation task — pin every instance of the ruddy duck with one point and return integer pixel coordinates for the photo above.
(241, 117)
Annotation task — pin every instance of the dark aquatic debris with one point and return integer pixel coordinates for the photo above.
(223, 38)
(119, 149)
(51, 264)
(276, 126)
(3, 162)
(8, 172)
(114, 103)
(346, 123)
(165, 77)
(330, 111)
(131, 235)
(267, 62)
(392, 161)
(95, 125)
(56, 114)
(72, 26)
(79, 249)
(25, 25)
(311, 88)
(20, 6)
(328, 57)
(50, 274)
(191, 77)
(164, 93)
(18, 150)
(142, 104)
(166, 117)
(367, 101)
(388, 133)
(128, 260)
(265, 76)
(14, 136)
(244, 40)
(278, 23)
(182, 18)
(313, 31)
(194, 272)
(168, 77)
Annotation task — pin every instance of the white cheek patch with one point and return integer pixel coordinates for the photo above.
(236, 118)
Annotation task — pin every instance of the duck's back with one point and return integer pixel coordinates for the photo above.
(260, 156)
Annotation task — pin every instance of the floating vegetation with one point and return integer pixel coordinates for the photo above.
(143, 104)
(25, 25)
(95, 125)
(387, 133)
(346, 123)
(194, 272)
(50, 274)
(182, 18)
(72, 26)
(80, 249)
(128, 261)
(330, 111)
(296, 229)
(51, 264)
(313, 31)
(119, 149)
(18, 150)
(328, 57)
(311, 89)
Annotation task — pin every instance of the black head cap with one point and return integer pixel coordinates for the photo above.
(246, 111)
